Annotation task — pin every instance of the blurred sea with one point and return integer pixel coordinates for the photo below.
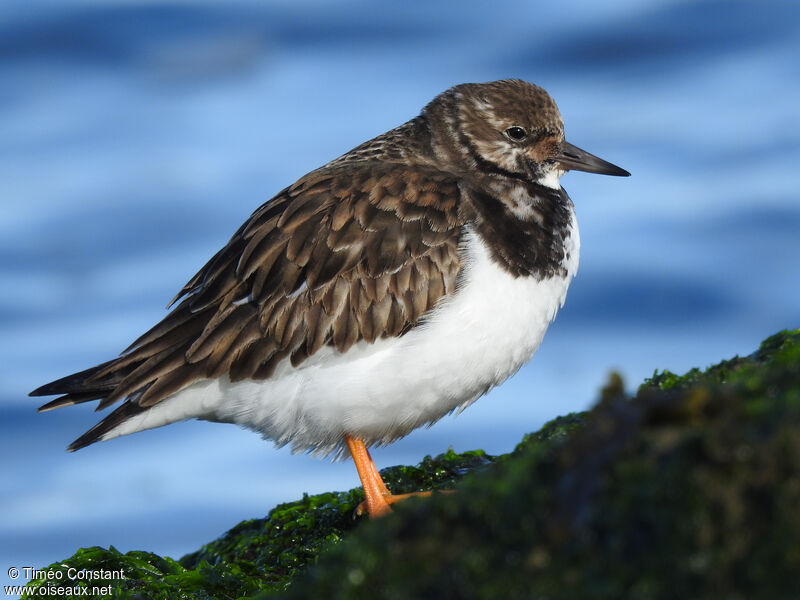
(136, 136)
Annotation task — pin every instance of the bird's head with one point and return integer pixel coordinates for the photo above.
(511, 128)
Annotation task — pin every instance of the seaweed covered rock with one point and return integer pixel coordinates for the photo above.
(691, 489)
(141, 576)
(256, 555)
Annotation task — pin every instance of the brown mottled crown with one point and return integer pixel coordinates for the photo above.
(511, 102)
(470, 124)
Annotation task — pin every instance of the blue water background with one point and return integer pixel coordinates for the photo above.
(136, 136)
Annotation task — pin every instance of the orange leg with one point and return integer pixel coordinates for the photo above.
(378, 496)
(375, 490)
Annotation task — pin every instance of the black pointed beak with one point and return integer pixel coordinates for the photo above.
(572, 158)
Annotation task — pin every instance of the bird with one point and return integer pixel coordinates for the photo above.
(390, 287)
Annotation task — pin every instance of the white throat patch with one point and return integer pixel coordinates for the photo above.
(551, 179)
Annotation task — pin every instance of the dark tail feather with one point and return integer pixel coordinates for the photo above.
(88, 385)
(77, 384)
(96, 433)
(97, 383)
(72, 399)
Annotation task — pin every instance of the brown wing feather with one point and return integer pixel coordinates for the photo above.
(343, 255)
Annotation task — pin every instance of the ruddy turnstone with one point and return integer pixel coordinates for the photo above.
(378, 293)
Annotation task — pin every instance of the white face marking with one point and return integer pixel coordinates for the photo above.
(521, 203)
(551, 178)
(488, 114)
(498, 151)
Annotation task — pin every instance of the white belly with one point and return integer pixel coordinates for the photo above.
(471, 342)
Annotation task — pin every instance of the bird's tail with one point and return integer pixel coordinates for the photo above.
(97, 383)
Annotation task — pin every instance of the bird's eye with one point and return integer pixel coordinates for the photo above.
(516, 133)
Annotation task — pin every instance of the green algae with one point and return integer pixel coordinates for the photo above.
(780, 348)
(689, 489)
(143, 575)
(293, 534)
(259, 554)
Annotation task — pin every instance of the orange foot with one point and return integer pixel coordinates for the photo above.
(378, 496)
(390, 499)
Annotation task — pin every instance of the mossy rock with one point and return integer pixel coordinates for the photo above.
(256, 555)
(690, 489)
